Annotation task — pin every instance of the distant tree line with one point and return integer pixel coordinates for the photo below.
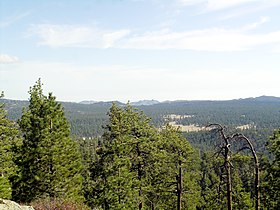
(262, 117)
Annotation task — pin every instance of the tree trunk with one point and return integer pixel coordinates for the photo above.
(257, 174)
(227, 164)
(139, 173)
(228, 174)
(257, 188)
(179, 187)
(229, 192)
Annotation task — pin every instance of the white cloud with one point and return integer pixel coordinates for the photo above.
(213, 39)
(210, 39)
(4, 58)
(257, 24)
(222, 4)
(77, 36)
(190, 2)
(12, 19)
(214, 5)
(110, 38)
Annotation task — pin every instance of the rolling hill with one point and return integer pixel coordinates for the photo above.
(255, 117)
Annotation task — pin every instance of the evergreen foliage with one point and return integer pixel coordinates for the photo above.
(176, 172)
(262, 117)
(120, 173)
(49, 163)
(138, 166)
(9, 139)
(271, 180)
(213, 182)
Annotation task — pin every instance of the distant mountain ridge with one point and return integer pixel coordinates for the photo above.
(100, 102)
(264, 99)
(145, 103)
(136, 103)
(89, 102)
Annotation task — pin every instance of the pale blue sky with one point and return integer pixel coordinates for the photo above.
(140, 49)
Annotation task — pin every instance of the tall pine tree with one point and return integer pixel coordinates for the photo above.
(49, 163)
(175, 172)
(120, 171)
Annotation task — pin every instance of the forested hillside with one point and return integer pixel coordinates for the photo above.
(256, 117)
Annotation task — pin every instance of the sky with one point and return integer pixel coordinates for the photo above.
(130, 50)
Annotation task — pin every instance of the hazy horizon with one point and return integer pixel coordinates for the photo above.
(140, 100)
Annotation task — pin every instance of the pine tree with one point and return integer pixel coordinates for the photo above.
(213, 183)
(49, 162)
(271, 182)
(9, 138)
(175, 172)
(212, 188)
(138, 166)
(119, 173)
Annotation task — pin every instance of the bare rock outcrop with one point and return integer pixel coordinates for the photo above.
(11, 205)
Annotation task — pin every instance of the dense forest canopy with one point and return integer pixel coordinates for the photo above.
(256, 117)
